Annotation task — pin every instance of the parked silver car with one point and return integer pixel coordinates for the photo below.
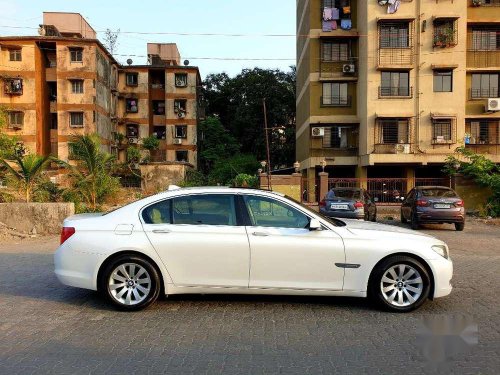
(349, 203)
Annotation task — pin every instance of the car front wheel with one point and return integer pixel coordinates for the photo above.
(459, 226)
(400, 284)
(130, 282)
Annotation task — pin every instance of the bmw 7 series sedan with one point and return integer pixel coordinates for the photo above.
(243, 241)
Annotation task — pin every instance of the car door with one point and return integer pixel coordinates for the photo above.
(200, 240)
(285, 254)
(407, 204)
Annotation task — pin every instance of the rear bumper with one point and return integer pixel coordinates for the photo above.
(359, 214)
(453, 215)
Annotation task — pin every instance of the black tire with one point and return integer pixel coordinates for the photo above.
(403, 219)
(146, 298)
(414, 221)
(375, 288)
(459, 226)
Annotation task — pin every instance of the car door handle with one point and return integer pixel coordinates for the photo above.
(260, 234)
(164, 231)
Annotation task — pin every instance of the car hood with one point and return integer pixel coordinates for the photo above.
(376, 230)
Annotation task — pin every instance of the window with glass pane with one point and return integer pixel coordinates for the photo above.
(394, 131)
(76, 54)
(16, 119)
(442, 130)
(485, 85)
(395, 84)
(336, 51)
(210, 209)
(486, 39)
(77, 86)
(394, 35)
(484, 132)
(266, 212)
(181, 131)
(15, 54)
(76, 119)
(335, 94)
(181, 155)
(158, 213)
(443, 81)
(132, 79)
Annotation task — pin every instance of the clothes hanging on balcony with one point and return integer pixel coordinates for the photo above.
(346, 24)
(329, 26)
(393, 6)
(327, 14)
(335, 13)
(346, 10)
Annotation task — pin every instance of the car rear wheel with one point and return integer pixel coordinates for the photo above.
(459, 226)
(130, 282)
(400, 284)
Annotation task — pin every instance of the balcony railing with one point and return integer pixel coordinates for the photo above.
(483, 93)
(486, 3)
(492, 148)
(336, 101)
(338, 69)
(393, 148)
(385, 92)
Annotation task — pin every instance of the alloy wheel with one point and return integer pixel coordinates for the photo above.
(129, 284)
(401, 285)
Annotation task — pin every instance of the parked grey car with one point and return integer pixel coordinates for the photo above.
(349, 203)
(433, 205)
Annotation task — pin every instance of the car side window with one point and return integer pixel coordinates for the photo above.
(158, 213)
(210, 209)
(267, 212)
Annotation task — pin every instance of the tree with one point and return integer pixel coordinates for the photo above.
(237, 103)
(478, 167)
(92, 177)
(28, 171)
(111, 40)
(215, 144)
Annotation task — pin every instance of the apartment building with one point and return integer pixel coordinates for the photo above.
(389, 89)
(64, 82)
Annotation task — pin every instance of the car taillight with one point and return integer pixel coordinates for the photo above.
(422, 203)
(358, 205)
(322, 203)
(459, 203)
(66, 233)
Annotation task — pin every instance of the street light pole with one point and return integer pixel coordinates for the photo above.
(269, 183)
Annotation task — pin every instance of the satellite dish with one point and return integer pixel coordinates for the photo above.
(186, 62)
(129, 61)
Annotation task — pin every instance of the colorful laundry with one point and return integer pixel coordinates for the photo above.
(346, 24)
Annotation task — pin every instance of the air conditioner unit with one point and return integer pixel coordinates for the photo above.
(402, 148)
(493, 104)
(349, 69)
(177, 141)
(133, 141)
(318, 132)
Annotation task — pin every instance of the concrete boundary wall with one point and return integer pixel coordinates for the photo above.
(45, 218)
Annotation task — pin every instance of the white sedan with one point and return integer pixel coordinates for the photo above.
(241, 241)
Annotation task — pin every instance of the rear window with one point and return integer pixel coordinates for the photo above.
(339, 193)
(441, 193)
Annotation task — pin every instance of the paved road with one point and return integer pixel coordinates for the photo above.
(48, 328)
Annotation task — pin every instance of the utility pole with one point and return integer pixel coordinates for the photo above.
(269, 184)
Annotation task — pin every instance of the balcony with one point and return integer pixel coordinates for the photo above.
(445, 33)
(13, 86)
(387, 92)
(345, 70)
(486, 3)
(482, 49)
(483, 136)
(394, 136)
(477, 94)
(338, 140)
(393, 148)
(336, 101)
(396, 44)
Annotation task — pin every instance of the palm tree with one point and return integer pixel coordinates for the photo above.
(28, 172)
(91, 177)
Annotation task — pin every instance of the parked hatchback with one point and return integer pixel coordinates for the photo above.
(433, 205)
(349, 203)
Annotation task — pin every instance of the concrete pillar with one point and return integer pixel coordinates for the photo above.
(410, 176)
(362, 174)
(323, 184)
(263, 181)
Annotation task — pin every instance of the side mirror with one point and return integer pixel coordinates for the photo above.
(314, 224)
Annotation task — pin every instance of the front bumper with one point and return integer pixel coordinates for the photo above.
(442, 269)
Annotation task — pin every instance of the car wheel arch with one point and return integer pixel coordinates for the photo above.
(409, 255)
(113, 256)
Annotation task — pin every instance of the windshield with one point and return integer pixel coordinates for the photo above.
(440, 193)
(344, 193)
(331, 220)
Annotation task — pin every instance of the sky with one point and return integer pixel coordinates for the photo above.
(253, 18)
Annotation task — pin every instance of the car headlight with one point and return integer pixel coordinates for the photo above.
(441, 250)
